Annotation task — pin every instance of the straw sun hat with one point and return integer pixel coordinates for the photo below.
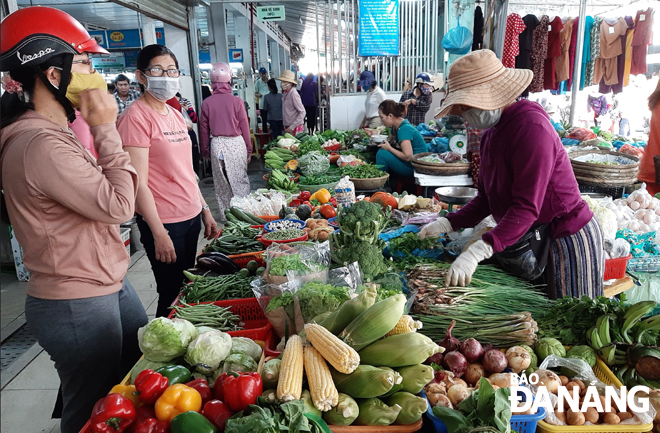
(288, 76)
(479, 80)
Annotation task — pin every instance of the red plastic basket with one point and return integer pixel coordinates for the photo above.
(616, 268)
(268, 218)
(256, 326)
(271, 345)
(243, 259)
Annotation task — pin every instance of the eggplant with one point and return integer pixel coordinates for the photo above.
(222, 264)
(210, 254)
(202, 272)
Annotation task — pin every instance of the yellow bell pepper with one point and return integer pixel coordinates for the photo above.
(291, 165)
(322, 195)
(177, 399)
(127, 391)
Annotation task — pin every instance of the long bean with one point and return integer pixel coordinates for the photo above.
(210, 315)
(223, 287)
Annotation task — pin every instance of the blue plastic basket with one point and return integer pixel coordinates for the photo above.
(268, 229)
(333, 222)
(519, 423)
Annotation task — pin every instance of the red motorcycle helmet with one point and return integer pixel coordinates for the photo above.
(33, 35)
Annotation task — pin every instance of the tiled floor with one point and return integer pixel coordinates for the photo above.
(28, 400)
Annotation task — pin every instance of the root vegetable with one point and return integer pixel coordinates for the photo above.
(591, 415)
(624, 415)
(611, 418)
(504, 380)
(494, 361)
(451, 381)
(456, 362)
(548, 379)
(438, 358)
(561, 416)
(472, 350)
(571, 386)
(474, 372)
(518, 359)
(450, 343)
(575, 418)
(564, 380)
(441, 400)
(458, 393)
(487, 379)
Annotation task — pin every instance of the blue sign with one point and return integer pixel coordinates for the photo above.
(379, 28)
(236, 56)
(204, 56)
(100, 36)
(131, 59)
(120, 39)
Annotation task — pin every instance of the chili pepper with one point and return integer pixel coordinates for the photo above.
(202, 386)
(127, 391)
(114, 413)
(150, 385)
(175, 373)
(151, 425)
(218, 391)
(143, 412)
(218, 413)
(242, 389)
(304, 196)
(333, 201)
(192, 422)
(177, 399)
(327, 211)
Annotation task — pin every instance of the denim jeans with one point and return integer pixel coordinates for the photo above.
(93, 342)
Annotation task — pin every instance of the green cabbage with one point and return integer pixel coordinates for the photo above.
(549, 346)
(245, 346)
(239, 362)
(208, 350)
(585, 353)
(163, 339)
(145, 364)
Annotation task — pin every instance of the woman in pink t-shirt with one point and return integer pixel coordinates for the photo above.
(170, 206)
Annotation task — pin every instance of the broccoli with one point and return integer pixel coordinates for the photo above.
(363, 220)
(369, 257)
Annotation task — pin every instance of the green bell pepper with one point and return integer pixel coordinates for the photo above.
(175, 373)
(192, 422)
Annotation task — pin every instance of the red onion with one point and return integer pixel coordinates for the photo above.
(472, 350)
(435, 359)
(450, 343)
(494, 361)
(456, 363)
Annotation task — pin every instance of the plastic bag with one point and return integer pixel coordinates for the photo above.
(620, 248)
(586, 374)
(648, 290)
(313, 164)
(302, 261)
(581, 134)
(268, 203)
(423, 218)
(457, 40)
(461, 241)
(439, 145)
(345, 192)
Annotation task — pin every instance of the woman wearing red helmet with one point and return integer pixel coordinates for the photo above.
(224, 124)
(66, 207)
(170, 206)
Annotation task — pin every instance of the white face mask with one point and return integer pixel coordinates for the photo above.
(482, 119)
(162, 88)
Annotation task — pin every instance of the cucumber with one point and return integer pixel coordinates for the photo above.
(252, 266)
(244, 272)
(240, 215)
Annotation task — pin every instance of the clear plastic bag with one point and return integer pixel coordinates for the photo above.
(260, 204)
(311, 259)
(586, 374)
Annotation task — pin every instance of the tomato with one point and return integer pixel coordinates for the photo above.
(327, 211)
(304, 196)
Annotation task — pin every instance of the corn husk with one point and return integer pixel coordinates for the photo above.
(400, 350)
(306, 397)
(375, 412)
(339, 319)
(344, 413)
(270, 373)
(412, 407)
(415, 377)
(375, 322)
(365, 382)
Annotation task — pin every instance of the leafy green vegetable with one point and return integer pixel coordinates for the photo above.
(311, 144)
(208, 350)
(408, 242)
(361, 171)
(265, 417)
(290, 262)
(358, 136)
(318, 180)
(316, 298)
(313, 163)
(239, 362)
(163, 339)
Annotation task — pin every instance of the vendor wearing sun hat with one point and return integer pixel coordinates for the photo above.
(293, 110)
(525, 180)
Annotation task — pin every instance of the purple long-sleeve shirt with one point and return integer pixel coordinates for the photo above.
(223, 114)
(525, 179)
(293, 110)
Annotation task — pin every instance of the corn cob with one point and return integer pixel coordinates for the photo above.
(339, 354)
(405, 324)
(375, 322)
(289, 385)
(366, 381)
(400, 350)
(321, 387)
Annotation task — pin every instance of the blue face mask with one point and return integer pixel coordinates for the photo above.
(426, 90)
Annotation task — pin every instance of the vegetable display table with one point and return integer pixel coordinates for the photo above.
(619, 286)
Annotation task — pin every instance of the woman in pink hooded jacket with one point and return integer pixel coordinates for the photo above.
(224, 124)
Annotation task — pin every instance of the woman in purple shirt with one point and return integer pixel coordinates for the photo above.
(525, 180)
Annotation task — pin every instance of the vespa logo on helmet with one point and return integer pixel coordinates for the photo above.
(24, 58)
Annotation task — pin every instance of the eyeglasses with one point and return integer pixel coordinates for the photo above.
(87, 62)
(158, 72)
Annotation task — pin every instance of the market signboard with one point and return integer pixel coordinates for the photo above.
(271, 13)
(112, 62)
(236, 55)
(127, 38)
(379, 28)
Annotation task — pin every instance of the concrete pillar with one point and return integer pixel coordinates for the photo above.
(218, 30)
(283, 61)
(275, 58)
(148, 30)
(262, 49)
(177, 41)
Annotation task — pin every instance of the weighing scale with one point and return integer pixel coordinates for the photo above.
(455, 195)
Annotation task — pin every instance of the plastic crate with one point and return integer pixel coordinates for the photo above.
(519, 423)
(644, 264)
(271, 345)
(256, 326)
(616, 268)
(243, 259)
(269, 218)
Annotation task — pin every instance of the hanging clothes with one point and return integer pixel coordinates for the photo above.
(478, 29)
(525, 42)
(586, 48)
(514, 27)
(595, 52)
(554, 51)
(539, 52)
(571, 52)
(620, 65)
(562, 65)
(642, 38)
(628, 57)
(610, 49)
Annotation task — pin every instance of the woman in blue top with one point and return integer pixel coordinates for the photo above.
(406, 140)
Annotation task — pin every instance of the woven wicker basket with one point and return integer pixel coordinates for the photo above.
(369, 184)
(608, 175)
(436, 168)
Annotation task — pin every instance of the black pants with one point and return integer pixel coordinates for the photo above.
(276, 128)
(311, 119)
(264, 119)
(195, 151)
(169, 277)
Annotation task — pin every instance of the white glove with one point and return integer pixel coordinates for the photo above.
(436, 228)
(460, 273)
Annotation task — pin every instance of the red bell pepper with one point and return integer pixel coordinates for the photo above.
(309, 203)
(114, 413)
(202, 386)
(304, 196)
(151, 425)
(327, 211)
(218, 387)
(333, 201)
(144, 412)
(218, 413)
(150, 385)
(242, 389)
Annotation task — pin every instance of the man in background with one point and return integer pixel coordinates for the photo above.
(260, 91)
(124, 95)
